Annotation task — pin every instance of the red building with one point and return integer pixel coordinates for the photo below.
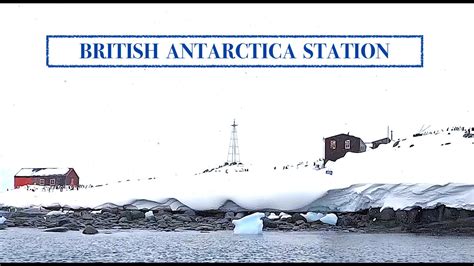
(47, 177)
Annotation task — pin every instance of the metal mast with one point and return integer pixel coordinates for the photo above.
(233, 156)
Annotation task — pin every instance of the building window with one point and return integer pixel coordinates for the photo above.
(333, 144)
(52, 182)
(347, 144)
(41, 182)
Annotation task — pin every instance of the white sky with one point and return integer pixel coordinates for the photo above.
(107, 123)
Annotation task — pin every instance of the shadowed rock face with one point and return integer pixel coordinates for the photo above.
(439, 220)
(89, 230)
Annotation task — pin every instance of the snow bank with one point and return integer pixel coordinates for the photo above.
(330, 218)
(420, 171)
(2, 220)
(249, 225)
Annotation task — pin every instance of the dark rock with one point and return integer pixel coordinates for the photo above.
(57, 229)
(431, 215)
(167, 218)
(299, 222)
(387, 214)
(268, 223)
(414, 215)
(124, 226)
(72, 226)
(126, 214)
(239, 215)
(205, 228)
(465, 214)
(374, 213)
(87, 216)
(9, 223)
(162, 225)
(137, 215)
(52, 225)
(189, 212)
(89, 230)
(28, 214)
(150, 218)
(183, 218)
(401, 216)
(63, 221)
(450, 214)
(297, 217)
(132, 214)
(162, 212)
(346, 220)
(229, 215)
(3, 226)
(222, 221)
(114, 211)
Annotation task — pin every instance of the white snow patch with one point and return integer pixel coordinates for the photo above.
(148, 214)
(2, 220)
(59, 212)
(249, 225)
(273, 216)
(42, 171)
(284, 215)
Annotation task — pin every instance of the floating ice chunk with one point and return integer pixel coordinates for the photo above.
(2, 220)
(273, 216)
(284, 215)
(148, 214)
(249, 225)
(312, 216)
(330, 218)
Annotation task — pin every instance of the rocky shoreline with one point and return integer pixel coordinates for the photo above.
(441, 220)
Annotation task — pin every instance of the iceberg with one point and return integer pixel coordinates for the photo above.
(249, 225)
(312, 216)
(330, 218)
(148, 214)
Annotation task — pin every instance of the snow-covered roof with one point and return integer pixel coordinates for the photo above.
(31, 172)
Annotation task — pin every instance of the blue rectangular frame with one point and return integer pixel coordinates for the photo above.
(236, 36)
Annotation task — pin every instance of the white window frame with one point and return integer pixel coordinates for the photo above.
(41, 181)
(347, 144)
(332, 144)
(52, 182)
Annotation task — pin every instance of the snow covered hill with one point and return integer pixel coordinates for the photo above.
(423, 171)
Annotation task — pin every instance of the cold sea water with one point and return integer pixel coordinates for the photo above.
(34, 245)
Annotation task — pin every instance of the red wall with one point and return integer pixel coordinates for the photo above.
(23, 181)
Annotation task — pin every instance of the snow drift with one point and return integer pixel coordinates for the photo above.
(420, 171)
